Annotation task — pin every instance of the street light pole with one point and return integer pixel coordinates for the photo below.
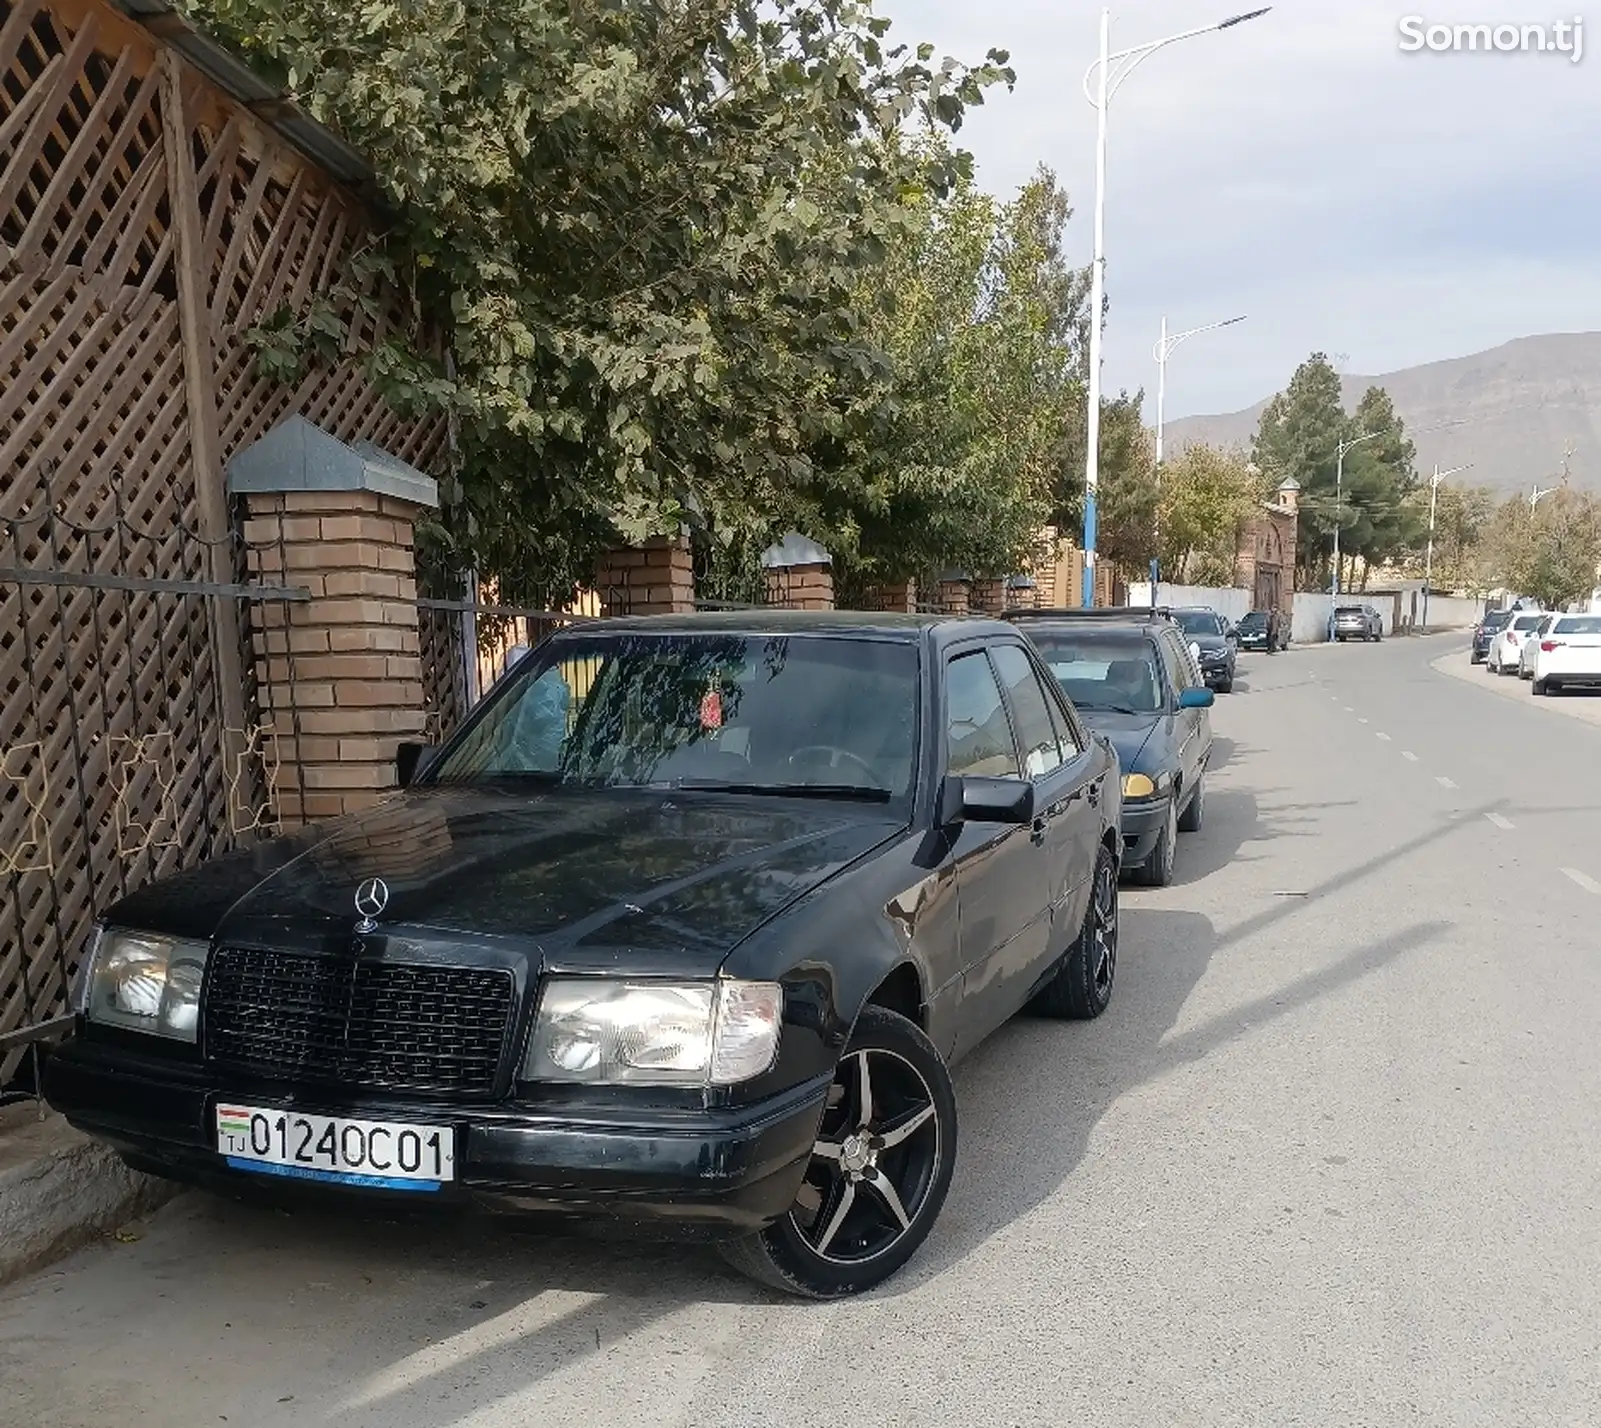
(1160, 352)
(1339, 497)
(1428, 560)
(1106, 84)
(1537, 494)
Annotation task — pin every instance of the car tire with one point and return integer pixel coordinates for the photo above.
(1157, 870)
(1227, 686)
(1538, 686)
(1082, 987)
(891, 1082)
(1194, 813)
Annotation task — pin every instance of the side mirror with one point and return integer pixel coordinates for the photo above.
(985, 800)
(411, 760)
(1197, 699)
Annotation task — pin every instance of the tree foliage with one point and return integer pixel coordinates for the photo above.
(644, 230)
(1373, 504)
(949, 458)
(1552, 553)
(1206, 493)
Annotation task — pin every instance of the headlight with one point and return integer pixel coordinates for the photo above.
(597, 1031)
(143, 982)
(1138, 785)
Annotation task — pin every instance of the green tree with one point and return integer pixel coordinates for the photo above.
(1205, 494)
(1462, 519)
(1372, 501)
(951, 453)
(1553, 553)
(1298, 437)
(642, 231)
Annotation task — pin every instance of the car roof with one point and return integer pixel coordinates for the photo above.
(1093, 629)
(761, 620)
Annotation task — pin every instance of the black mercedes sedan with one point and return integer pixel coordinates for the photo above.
(681, 930)
(1132, 677)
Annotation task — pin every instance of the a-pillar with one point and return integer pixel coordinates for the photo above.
(339, 675)
(656, 578)
(798, 574)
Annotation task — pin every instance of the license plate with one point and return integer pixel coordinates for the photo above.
(377, 1155)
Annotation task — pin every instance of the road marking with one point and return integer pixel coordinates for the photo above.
(1444, 782)
(1409, 756)
(1361, 721)
(1349, 710)
(1501, 822)
(1385, 737)
(1584, 880)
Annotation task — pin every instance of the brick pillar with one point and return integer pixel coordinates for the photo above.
(656, 578)
(339, 675)
(953, 597)
(800, 587)
(987, 597)
(899, 598)
(1022, 597)
(1245, 556)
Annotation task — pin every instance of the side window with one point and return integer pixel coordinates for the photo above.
(977, 735)
(1176, 661)
(1068, 733)
(1036, 733)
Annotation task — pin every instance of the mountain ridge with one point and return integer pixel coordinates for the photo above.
(1523, 407)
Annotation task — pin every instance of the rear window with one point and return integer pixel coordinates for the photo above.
(1527, 622)
(1497, 619)
(1578, 625)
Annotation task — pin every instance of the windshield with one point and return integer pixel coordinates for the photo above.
(1254, 621)
(767, 714)
(1112, 673)
(1199, 622)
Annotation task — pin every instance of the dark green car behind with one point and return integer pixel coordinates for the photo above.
(1132, 678)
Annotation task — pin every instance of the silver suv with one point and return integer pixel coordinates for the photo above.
(1357, 622)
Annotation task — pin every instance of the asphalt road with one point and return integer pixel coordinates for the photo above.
(1331, 1158)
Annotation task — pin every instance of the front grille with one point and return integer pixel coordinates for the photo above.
(391, 1026)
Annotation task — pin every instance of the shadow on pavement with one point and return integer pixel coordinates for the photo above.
(434, 1322)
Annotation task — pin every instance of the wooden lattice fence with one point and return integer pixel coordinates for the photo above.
(147, 224)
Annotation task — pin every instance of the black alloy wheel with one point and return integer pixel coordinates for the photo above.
(1082, 987)
(879, 1171)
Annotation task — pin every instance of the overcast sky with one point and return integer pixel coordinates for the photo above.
(1395, 208)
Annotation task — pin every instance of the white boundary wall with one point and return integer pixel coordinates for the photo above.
(1310, 623)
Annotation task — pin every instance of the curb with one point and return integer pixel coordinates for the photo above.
(59, 1190)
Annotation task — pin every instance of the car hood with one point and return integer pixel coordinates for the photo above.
(665, 881)
(1210, 644)
(1128, 733)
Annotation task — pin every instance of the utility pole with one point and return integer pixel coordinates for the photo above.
(1428, 560)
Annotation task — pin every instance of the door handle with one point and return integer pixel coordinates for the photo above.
(1036, 832)
(1095, 794)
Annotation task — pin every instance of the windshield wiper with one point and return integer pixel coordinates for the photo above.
(866, 792)
(1115, 709)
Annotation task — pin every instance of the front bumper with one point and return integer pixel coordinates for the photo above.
(1142, 826)
(1216, 674)
(722, 1172)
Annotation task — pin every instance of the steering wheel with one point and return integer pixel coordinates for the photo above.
(835, 754)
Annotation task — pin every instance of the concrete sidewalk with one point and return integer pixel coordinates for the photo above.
(59, 1189)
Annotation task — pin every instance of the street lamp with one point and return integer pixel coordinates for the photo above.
(1339, 495)
(1537, 495)
(1106, 86)
(1428, 560)
(1161, 352)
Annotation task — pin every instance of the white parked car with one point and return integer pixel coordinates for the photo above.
(1530, 645)
(1567, 653)
(1508, 645)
